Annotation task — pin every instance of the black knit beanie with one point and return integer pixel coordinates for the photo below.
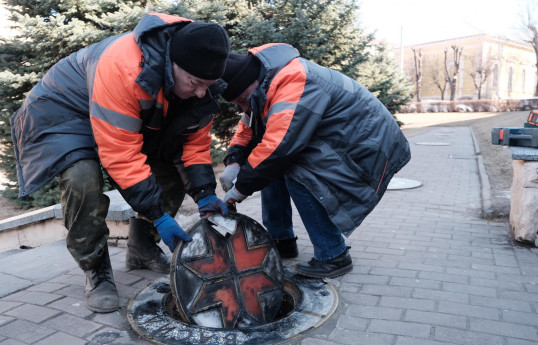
(201, 49)
(241, 71)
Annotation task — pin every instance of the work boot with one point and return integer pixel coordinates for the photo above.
(142, 251)
(338, 266)
(287, 249)
(101, 293)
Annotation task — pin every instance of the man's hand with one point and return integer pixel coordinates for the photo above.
(212, 204)
(228, 176)
(170, 231)
(232, 196)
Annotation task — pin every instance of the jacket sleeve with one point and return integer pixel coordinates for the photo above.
(237, 151)
(291, 115)
(115, 117)
(195, 165)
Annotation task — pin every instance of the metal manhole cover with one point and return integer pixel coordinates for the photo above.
(403, 183)
(229, 276)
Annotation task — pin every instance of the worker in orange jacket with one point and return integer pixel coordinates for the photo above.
(139, 106)
(315, 135)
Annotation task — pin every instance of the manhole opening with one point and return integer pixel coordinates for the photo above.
(291, 297)
(307, 303)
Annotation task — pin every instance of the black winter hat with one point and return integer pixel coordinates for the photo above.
(201, 49)
(240, 73)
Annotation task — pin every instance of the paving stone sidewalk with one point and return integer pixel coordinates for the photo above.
(427, 270)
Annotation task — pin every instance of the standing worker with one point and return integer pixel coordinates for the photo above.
(313, 134)
(139, 105)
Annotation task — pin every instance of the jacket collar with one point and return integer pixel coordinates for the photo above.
(152, 34)
(273, 57)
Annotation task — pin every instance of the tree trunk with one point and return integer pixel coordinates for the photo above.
(418, 73)
(534, 43)
(455, 69)
(452, 89)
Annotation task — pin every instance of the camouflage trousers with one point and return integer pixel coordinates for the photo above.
(85, 206)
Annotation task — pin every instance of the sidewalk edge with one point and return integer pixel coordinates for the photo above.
(485, 187)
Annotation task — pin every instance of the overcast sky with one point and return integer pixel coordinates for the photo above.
(4, 31)
(432, 20)
(426, 20)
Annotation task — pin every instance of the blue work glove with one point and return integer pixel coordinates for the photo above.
(228, 176)
(170, 231)
(232, 196)
(212, 204)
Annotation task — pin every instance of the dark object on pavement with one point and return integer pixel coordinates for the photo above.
(142, 251)
(101, 292)
(516, 136)
(526, 137)
(338, 266)
(287, 249)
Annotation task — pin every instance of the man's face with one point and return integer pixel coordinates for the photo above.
(242, 99)
(186, 85)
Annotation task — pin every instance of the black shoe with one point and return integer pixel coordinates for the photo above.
(338, 266)
(287, 249)
(142, 251)
(101, 292)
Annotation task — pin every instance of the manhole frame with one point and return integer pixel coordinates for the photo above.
(411, 184)
(309, 314)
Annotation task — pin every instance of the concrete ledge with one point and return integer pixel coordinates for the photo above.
(44, 226)
(524, 194)
(27, 218)
(485, 187)
(524, 153)
(32, 235)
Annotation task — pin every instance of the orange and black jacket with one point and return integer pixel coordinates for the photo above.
(320, 128)
(113, 101)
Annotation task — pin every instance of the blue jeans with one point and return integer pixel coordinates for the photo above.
(326, 238)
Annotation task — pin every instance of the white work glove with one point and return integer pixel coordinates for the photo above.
(228, 176)
(232, 196)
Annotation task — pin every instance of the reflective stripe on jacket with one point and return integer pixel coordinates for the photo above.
(111, 101)
(321, 128)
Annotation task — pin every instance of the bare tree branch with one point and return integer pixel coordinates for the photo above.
(529, 30)
(480, 72)
(436, 74)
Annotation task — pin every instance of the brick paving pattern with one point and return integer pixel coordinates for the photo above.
(427, 270)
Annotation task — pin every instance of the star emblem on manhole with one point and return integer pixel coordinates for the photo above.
(229, 276)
